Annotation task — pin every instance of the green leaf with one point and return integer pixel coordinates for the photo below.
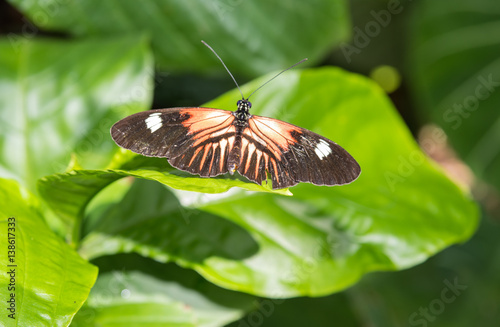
(144, 293)
(253, 37)
(85, 184)
(51, 280)
(456, 74)
(152, 214)
(62, 97)
(400, 211)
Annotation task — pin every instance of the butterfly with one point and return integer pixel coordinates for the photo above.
(210, 142)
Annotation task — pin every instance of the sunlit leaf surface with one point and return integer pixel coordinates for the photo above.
(50, 280)
(60, 97)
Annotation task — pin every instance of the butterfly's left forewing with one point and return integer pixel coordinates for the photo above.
(150, 133)
(196, 140)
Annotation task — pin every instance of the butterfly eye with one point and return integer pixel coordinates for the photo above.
(238, 103)
(249, 105)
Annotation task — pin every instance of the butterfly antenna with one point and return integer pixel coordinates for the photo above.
(277, 76)
(215, 53)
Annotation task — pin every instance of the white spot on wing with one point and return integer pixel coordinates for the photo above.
(154, 122)
(322, 149)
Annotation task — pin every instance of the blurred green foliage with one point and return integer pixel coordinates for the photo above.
(238, 29)
(456, 72)
(60, 95)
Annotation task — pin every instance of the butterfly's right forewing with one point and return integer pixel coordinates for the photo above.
(291, 154)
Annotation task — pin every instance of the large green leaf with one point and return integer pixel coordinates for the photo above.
(62, 97)
(51, 281)
(456, 72)
(168, 229)
(401, 210)
(254, 37)
(85, 184)
(140, 292)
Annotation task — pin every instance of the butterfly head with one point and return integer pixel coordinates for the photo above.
(243, 111)
(244, 105)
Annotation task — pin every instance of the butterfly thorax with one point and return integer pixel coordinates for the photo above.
(242, 114)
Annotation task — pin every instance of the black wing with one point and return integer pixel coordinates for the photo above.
(291, 154)
(197, 140)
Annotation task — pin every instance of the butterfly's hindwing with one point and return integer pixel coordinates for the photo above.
(206, 159)
(262, 153)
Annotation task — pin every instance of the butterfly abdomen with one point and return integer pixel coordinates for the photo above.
(234, 157)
